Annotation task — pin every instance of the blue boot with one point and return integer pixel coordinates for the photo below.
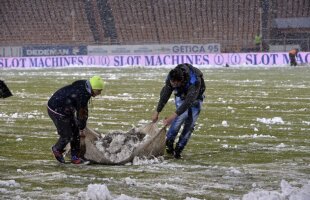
(77, 160)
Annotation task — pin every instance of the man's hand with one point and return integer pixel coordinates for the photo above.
(82, 133)
(169, 120)
(155, 117)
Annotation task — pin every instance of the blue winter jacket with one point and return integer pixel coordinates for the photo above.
(192, 89)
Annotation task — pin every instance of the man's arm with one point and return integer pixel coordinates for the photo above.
(191, 96)
(82, 112)
(165, 94)
(82, 116)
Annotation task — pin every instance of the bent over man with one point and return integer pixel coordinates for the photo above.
(68, 108)
(188, 85)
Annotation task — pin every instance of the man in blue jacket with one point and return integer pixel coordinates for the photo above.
(68, 108)
(188, 85)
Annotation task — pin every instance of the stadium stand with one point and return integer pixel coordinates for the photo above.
(44, 22)
(232, 23)
(290, 22)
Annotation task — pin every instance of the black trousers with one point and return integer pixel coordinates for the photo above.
(293, 60)
(68, 131)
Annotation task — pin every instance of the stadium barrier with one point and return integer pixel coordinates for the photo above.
(53, 50)
(11, 51)
(153, 49)
(220, 59)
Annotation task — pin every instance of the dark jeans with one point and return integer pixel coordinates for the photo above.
(293, 60)
(188, 119)
(68, 131)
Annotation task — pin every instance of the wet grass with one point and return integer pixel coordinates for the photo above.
(263, 153)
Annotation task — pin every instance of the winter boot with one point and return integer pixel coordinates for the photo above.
(169, 147)
(177, 153)
(58, 155)
(77, 160)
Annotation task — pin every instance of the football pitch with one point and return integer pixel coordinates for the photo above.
(252, 135)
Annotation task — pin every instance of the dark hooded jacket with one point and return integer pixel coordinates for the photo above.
(71, 101)
(192, 89)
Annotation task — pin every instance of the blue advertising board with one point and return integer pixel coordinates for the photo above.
(59, 50)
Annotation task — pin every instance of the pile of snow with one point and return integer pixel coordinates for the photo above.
(281, 145)
(274, 120)
(233, 171)
(256, 136)
(224, 123)
(130, 181)
(118, 146)
(287, 192)
(96, 191)
(305, 122)
(9, 183)
(101, 192)
(226, 146)
(146, 161)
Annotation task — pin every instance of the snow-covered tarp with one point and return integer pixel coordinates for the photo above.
(122, 147)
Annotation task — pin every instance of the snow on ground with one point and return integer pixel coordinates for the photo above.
(273, 180)
(101, 191)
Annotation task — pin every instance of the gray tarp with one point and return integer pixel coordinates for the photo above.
(121, 147)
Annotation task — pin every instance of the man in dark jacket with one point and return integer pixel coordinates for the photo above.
(188, 85)
(69, 111)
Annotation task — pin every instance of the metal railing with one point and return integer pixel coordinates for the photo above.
(302, 43)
